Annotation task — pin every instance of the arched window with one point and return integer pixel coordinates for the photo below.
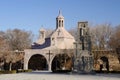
(59, 23)
(80, 31)
(62, 23)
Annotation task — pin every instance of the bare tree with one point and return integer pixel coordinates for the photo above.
(115, 38)
(19, 39)
(73, 32)
(3, 42)
(100, 36)
(13, 40)
(4, 48)
(13, 57)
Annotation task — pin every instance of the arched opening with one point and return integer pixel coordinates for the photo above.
(105, 64)
(61, 62)
(37, 62)
(59, 23)
(56, 23)
(81, 32)
(62, 23)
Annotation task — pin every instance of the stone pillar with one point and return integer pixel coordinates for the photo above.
(49, 67)
(26, 63)
(50, 64)
(25, 66)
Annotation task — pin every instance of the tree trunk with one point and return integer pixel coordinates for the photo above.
(10, 67)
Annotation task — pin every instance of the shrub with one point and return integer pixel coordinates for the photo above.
(21, 70)
(8, 72)
(29, 70)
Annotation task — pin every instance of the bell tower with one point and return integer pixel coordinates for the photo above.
(83, 57)
(83, 34)
(59, 20)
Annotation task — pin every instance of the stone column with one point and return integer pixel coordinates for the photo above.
(25, 66)
(26, 63)
(49, 67)
(50, 64)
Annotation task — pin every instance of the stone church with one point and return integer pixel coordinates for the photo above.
(59, 42)
(60, 51)
(60, 38)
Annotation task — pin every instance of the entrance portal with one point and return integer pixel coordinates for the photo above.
(105, 65)
(37, 62)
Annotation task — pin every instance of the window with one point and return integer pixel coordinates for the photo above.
(62, 23)
(80, 31)
(59, 23)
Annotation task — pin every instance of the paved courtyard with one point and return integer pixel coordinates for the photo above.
(40, 75)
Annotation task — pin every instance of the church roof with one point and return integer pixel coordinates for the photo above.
(41, 46)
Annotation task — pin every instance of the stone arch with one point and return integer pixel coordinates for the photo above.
(104, 64)
(37, 62)
(61, 62)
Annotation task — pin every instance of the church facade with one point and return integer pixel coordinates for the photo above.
(50, 47)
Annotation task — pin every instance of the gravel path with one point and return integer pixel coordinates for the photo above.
(40, 75)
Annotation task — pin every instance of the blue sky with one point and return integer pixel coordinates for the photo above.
(32, 14)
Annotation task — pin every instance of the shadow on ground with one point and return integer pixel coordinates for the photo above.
(117, 75)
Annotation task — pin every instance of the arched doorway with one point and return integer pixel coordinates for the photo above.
(37, 62)
(105, 64)
(61, 62)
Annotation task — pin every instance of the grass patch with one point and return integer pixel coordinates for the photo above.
(29, 70)
(14, 71)
(19, 71)
(8, 72)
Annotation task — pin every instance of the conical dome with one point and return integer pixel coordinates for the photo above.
(60, 15)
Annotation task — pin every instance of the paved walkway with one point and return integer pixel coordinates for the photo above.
(39, 75)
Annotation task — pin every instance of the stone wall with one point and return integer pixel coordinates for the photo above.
(112, 56)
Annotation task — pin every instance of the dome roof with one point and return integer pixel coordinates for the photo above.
(42, 30)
